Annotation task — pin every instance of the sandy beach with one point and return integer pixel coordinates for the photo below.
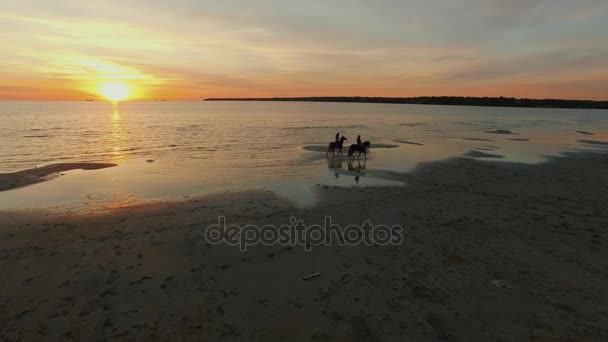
(491, 251)
(303, 170)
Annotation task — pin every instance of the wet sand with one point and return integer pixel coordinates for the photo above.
(492, 251)
(36, 175)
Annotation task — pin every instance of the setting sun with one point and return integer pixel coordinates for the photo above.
(114, 91)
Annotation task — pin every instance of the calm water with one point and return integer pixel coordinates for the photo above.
(203, 147)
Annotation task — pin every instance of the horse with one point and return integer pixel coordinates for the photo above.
(334, 145)
(358, 148)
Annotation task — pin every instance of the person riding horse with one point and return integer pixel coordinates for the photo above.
(361, 148)
(359, 141)
(336, 145)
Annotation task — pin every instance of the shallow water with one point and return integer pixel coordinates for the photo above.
(201, 147)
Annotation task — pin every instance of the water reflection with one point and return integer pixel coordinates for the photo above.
(359, 168)
(202, 148)
(335, 162)
(117, 136)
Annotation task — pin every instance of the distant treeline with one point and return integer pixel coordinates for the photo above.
(441, 100)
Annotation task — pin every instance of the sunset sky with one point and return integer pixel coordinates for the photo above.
(193, 49)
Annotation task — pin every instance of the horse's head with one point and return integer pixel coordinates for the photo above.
(343, 138)
(366, 144)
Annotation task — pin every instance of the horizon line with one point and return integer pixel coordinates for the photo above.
(400, 97)
(308, 97)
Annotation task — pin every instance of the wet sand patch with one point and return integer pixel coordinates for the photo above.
(408, 142)
(479, 154)
(500, 131)
(36, 175)
(38, 136)
(411, 124)
(593, 142)
(478, 139)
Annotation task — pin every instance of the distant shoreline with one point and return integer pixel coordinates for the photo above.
(440, 100)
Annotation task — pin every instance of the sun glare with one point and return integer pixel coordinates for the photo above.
(114, 91)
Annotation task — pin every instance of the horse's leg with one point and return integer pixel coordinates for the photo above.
(328, 149)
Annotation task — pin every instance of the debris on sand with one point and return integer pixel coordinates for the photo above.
(310, 276)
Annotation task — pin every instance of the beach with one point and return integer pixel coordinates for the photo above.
(490, 251)
(303, 171)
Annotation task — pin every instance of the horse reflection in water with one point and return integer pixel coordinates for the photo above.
(359, 168)
(335, 163)
(353, 166)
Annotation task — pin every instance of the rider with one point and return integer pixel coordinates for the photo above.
(337, 136)
(359, 141)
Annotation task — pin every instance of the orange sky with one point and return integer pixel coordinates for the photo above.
(189, 50)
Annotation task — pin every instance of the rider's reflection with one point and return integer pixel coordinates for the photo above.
(355, 166)
(360, 166)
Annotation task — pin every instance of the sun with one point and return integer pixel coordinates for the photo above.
(114, 91)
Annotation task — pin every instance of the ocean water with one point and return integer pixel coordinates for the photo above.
(199, 147)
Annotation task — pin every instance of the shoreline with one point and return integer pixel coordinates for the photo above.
(507, 102)
(517, 251)
(18, 179)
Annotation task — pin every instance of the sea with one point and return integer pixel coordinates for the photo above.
(171, 150)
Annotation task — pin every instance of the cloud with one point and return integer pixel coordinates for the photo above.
(197, 48)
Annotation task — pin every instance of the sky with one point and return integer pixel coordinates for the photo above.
(194, 49)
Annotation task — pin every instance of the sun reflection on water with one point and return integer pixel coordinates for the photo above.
(117, 136)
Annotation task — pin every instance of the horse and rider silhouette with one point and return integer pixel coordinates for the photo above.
(336, 145)
(358, 147)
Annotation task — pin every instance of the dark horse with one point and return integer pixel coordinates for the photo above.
(358, 148)
(336, 145)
